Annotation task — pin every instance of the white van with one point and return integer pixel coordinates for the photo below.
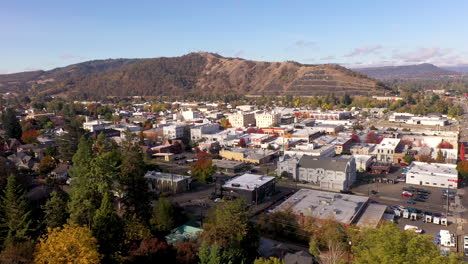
(414, 228)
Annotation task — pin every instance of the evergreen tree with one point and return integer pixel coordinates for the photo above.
(163, 216)
(55, 210)
(11, 124)
(134, 187)
(16, 220)
(107, 228)
(68, 142)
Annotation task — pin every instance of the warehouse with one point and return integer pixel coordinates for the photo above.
(433, 174)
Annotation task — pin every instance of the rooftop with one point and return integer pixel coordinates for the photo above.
(248, 181)
(165, 176)
(433, 169)
(326, 163)
(342, 208)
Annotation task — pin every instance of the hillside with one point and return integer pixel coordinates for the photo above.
(194, 73)
(423, 71)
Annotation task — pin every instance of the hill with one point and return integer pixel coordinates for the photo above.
(194, 73)
(423, 71)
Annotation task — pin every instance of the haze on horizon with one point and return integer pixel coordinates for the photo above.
(49, 34)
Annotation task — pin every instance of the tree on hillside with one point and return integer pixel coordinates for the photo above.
(228, 226)
(11, 124)
(55, 210)
(107, 229)
(388, 244)
(163, 216)
(16, 221)
(152, 250)
(70, 244)
(30, 136)
(133, 185)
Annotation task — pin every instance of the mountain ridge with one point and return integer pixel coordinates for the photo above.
(423, 71)
(197, 73)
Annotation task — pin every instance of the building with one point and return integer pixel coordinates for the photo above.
(433, 174)
(96, 125)
(363, 162)
(248, 155)
(173, 131)
(327, 173)
(387, 149)
(229, 166)
(167, 182)
(241, 119)
(197, 132)
(267, 119)
(253, 188)
(362, 149)
(433, 120)
(312, 149)
(342, 145)
(342, 208)
(190, 115)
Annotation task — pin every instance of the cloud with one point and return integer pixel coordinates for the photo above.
(364, 50)
(304, 43)
(71, 57)
(327, 58)
(421, 54)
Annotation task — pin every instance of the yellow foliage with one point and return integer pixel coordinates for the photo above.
(70, 244)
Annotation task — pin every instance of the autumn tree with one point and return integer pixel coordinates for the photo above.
(203, 168)
(16, 221)
(270, 260)
(440, 157)
(55, 210)
(70, 244)
(372, 137)
(152, 250)
(462, 151)
(30, 136)
(46, 165)
(462, 168)
(228, 226)
(186, 252)
(388, 244)
(224, 123)
(445, 145)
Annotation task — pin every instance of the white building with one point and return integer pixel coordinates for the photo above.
(197, 132)
(96, 125)
(386, 149)
(418, 120)
(173, 131)
(267, 119)
(190, 115)
(363, 162)
(433, 174)
(241, 119)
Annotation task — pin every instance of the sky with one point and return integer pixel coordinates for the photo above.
(358, 33)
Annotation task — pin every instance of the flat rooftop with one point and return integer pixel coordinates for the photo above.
(372, 216)
(433, 169)
(342, 208)
(248, 181)
(228, 164)
(156, 175)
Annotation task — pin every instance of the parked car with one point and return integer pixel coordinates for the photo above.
(410, 202)
(405, 170)
(409, 189)
(401, 180)
(406, 194)
(374, 192)
(448, 191)
(419, 199)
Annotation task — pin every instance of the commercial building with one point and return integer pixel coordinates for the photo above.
(342, 145)
(433, 120)
(167, 182)
(327, 173)
(248, 155)
(229, 166)
(320, 205)
(387, 149)
(253, 188)
(267, 119)
(190, 115)
(197, 132)
(173, 131)
(362, 149)
(241, 119)
(433, 174)
(96, 125)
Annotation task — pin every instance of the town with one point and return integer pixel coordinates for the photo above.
(299, 170)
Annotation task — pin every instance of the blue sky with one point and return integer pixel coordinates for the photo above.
(48, 34)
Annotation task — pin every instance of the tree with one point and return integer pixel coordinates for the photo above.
(107, 229)
(224, 123)
(347, 100)
(425, 158)
(445, 145)
(372, 138)
(355, 138)
(203, 168)
(18, 253)
(152, 250)
(408, 159)
(70, 244)
(163, 216)
(271, 260)
(462, 168)
(16, 216)
(30, 136)
(186, 252)
(133, 185)
(55, 210)
(388, 244)
(68, 143)
(210, 254)
(46, 165)
(462, 151)
(11, 124)
(440, 157)
(228, 226)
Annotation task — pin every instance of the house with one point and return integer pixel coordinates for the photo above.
(61, 172)
(183, 233)
(327, 173)
(24, 161)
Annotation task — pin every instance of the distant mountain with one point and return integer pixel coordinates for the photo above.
(460, 68)
(423, 71)
(194, 73)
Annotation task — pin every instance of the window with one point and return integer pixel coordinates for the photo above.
(434, 183)
(442, 184)
(412, 176)
(426, 182)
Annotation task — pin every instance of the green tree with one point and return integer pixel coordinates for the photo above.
(68, 142)
(203, 168)
(11, 124)
(408, 159)
(389, 245)
(462, 168)
(133, 185)
(55, 210)
(228, 226)
(16, 215)
(440, 157)
(163, 216)
(107, 229)
(271, 260)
